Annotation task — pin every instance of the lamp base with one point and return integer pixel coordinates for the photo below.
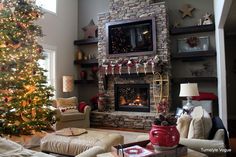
(188, 106)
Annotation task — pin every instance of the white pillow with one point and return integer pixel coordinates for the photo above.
(67, 102)
(201, 123)
(183, 123)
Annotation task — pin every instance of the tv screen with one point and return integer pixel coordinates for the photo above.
(131, 38)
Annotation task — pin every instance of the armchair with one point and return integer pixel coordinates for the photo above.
(69, 116)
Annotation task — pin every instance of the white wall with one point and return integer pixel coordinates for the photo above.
(221, 8)
(60, 32)
(89, 9)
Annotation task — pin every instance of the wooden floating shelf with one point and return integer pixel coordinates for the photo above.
(86, 63)
(198, 54)
(86, 41)
(194, 79)
(85, 81)
(192, 29)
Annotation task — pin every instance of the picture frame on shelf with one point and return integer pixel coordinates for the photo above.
(193, 44)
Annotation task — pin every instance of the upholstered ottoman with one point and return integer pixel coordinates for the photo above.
(74, 145)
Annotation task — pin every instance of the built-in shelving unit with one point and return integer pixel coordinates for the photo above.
(198, 58)
(85, 81)
(199, 54)
(192, 29)
(86, 41)
(86, 63)
(194, 79)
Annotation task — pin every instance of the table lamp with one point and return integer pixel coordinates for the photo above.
(188, 90)
(67, 83)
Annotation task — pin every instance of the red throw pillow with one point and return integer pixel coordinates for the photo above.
(81, 106)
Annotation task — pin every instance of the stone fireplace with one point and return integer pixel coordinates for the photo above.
(132, 97)
(109, 81)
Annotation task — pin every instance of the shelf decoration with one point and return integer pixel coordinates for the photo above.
(161, 92)
(193, 44)
(186, 10)
(110, 66)
(207, 19)
(90, 31)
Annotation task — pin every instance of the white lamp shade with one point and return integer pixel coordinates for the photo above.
(188, 90)
(68, 83)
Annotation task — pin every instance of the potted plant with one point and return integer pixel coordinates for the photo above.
(164, 134)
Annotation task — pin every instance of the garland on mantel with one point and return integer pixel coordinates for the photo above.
(112, 65)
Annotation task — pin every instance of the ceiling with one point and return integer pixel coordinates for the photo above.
(230, 25)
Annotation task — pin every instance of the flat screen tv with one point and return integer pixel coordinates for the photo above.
(131, 37)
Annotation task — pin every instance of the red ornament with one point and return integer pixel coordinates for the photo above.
(6, 99)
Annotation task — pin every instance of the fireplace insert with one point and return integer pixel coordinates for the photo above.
(132, 97)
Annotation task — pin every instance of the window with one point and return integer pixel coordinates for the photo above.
(49, 64)
(49, 5)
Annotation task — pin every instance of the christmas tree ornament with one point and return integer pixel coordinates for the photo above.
(33, 112)
(24, 118)
(12, 10)
(1, 6)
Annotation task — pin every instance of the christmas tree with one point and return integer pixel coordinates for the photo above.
(24, 93)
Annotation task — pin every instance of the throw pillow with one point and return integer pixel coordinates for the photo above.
(71, 109)
(203, 122)
(183, 123)
(81, 106)
(67, 102)
(196, 129)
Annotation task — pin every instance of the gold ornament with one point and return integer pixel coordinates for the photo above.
(3, 45)
(17, 123)
(24, 103)
(33, 112)
(24, 118)
(30, 88)
(15, 46)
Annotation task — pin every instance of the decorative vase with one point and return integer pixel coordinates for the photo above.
(83, 75)
(164, 137)
(101, 103)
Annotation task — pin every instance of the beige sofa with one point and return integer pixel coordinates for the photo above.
(71, 117)
(10, 148)
(209, 147)
(195, 129)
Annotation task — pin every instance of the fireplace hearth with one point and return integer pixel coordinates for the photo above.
(132, 97)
